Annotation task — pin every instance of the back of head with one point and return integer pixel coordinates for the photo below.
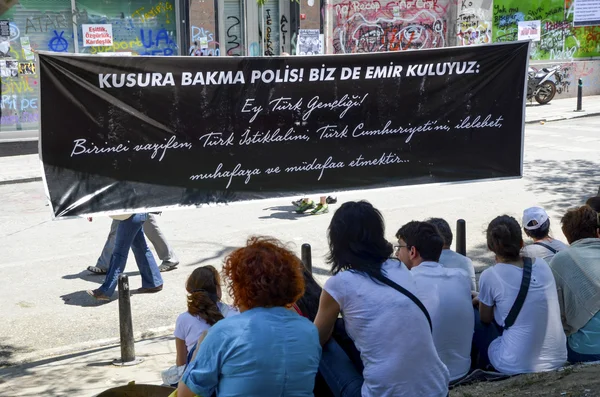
(594, 202)
(425, 237)
(202, 286)
(264, 273)
(309, 302)
(357, 240)
(504, 237)
(536, 222)
(580, 223)
(444, 228)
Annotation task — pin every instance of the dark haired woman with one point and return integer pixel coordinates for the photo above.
(536, 341)
(536, 224)
(266, 350)
(390, 331)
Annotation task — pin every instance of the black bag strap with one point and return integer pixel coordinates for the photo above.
(406, 292)
(516, 307)
(547, 247)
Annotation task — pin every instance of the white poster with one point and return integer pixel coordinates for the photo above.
(97, 35)
(530, 30)
(309, 42)
(586, 13)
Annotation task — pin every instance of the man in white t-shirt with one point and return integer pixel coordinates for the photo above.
(449, 258)
(446, 293)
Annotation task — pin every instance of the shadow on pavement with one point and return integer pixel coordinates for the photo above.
(93, 277)
(81, 298)
(7, 352)
(286, 212)
(568, 184)
(220, 254)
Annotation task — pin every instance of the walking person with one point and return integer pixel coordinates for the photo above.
(156, 237)
(130, 235)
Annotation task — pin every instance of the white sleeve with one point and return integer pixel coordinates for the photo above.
(180, 327)
(486, 288)
(336, 287)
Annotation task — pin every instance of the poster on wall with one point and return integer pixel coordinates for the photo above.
(27, 68)
(97, 35)
(9, 68)
(223, 129)
(530, 30)
(586, 13)
(309, 42)
(26, 46)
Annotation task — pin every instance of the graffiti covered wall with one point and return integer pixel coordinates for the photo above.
(559, 39)
(375, 26)
(140, 27)
(474, 22)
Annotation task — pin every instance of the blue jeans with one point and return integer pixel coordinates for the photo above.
(483, 337)
(130, 235)
(575, 357)
(339, 371)
(152, 232)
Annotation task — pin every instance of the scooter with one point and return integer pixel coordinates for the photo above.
(540, 86)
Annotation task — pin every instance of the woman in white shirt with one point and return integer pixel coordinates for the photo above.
(389, 330)
(536, 341)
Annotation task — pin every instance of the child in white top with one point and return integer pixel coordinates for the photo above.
(204, 310)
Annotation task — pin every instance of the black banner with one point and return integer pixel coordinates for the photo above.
(132, 133)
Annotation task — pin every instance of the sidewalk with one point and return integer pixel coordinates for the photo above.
(88, 373)
(19, 169)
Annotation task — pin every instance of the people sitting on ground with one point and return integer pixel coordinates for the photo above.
(536, 224)
(535, 341)
(268, 349)
(304, 204)
(446, 294)
(205, 309)
(130, 235)
(577, 274)
(452, 259)
(389, 330)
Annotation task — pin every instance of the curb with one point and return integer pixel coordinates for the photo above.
(574, 116)
(20, 180)
(58, 352)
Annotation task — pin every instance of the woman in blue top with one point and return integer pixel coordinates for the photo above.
(267, 350)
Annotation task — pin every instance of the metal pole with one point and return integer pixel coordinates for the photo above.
(126, 325)
(461, 237)
(579, 96)
(307, 257)
(74, 18)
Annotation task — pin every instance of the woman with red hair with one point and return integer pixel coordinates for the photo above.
(267, 350)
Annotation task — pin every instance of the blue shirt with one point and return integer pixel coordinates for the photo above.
(587, 339)
(261, 352)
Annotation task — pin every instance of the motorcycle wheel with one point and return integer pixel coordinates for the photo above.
(545, 93)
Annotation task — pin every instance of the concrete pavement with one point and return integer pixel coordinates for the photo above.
(16, 169)
(46, 312)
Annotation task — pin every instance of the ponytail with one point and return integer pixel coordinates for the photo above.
(201, 304)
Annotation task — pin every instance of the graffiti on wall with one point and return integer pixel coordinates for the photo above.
(374, 26)
(559, 39)
(201, 35)
(472, 26)
(150, 30)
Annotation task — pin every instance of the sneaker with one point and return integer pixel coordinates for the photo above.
(331, 200)
(305, 206)
(320, 209)
(167, 266)
(298, 202)
(151, 290)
